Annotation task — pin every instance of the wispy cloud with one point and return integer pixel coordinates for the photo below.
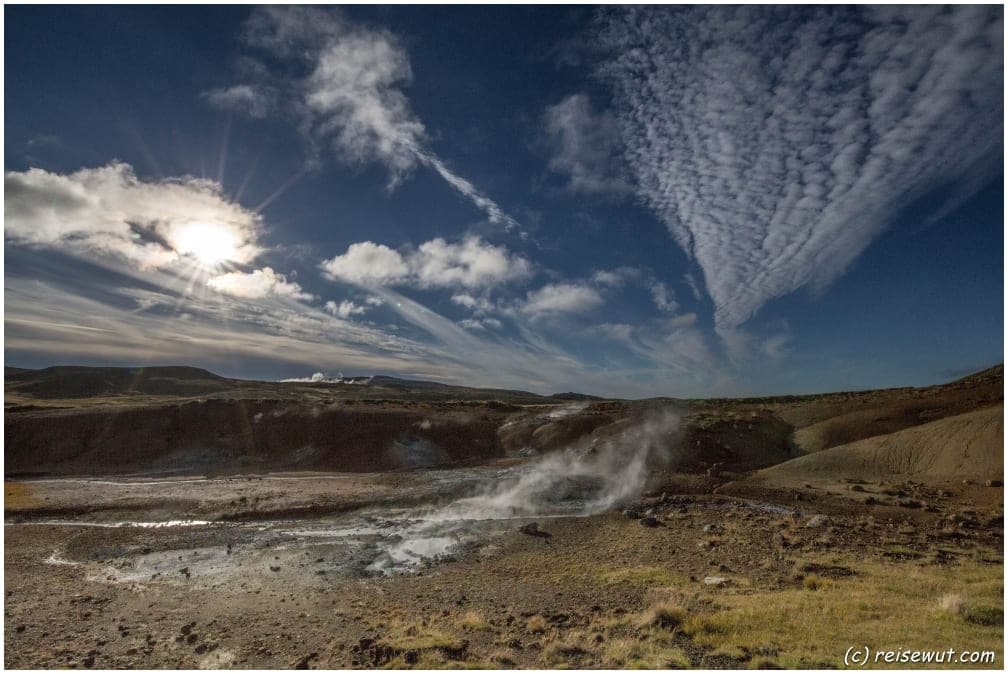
(345, 309)
(254, 101)
(562, 298)
(352, 97)
(586, 146)
(664, 298)
(777, 143)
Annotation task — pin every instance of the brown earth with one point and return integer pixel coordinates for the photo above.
(863, 518)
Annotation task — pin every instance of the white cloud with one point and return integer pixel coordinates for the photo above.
(480, 323)
(344, 309)
(564, 298)
(367, 263)
(254, 101)
(257, 284)
(586, 145)
(664, 298)
(110, 211)
(352, 97)
(778, 143)
(615, 277)
(471, 263)
(620, 332)
(480, 305)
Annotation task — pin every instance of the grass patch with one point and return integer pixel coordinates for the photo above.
(664, 616)
(473, 620)
(18, 495)
(885, 606)
(536, 624)
(562, 653)
(633, 653)
(988, 616)
(422, 638)
(812, 582)
(641, 575)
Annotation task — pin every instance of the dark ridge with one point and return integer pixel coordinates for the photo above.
(72, 381)
(571, 395)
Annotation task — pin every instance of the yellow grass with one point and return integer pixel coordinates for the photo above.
(885, 606)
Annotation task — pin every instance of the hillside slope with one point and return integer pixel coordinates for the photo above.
(963, 446)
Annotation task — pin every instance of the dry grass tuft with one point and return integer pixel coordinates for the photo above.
(664, 616)
(812, 582)
(536, 624)
(953, 603)
(473, 620)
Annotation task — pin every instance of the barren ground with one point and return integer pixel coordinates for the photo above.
(320, 528)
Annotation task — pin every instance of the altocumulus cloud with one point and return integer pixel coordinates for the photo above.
(110, 212)
(777, 143)
(470, 263)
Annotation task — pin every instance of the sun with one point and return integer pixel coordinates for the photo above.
(210, 243)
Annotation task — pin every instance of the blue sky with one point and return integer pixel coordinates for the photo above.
(632, 202)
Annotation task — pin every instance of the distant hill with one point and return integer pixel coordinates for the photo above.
(73, 381)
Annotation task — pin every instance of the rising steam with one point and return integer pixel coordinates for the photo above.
(580, 480)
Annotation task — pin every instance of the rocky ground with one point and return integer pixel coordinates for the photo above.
(170, 518)
(703, 572)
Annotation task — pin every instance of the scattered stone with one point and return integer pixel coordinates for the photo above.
(303, 662)
(532, 529)
(816, 521)
(711, 529)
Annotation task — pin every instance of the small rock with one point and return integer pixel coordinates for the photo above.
(711, 529)
(716, 581)
(650, 521)
(816, 521)
(532, 529)
(631, 513)
(303, 662)
(993, 483)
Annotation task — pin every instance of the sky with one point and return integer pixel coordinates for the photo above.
(633, 202)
